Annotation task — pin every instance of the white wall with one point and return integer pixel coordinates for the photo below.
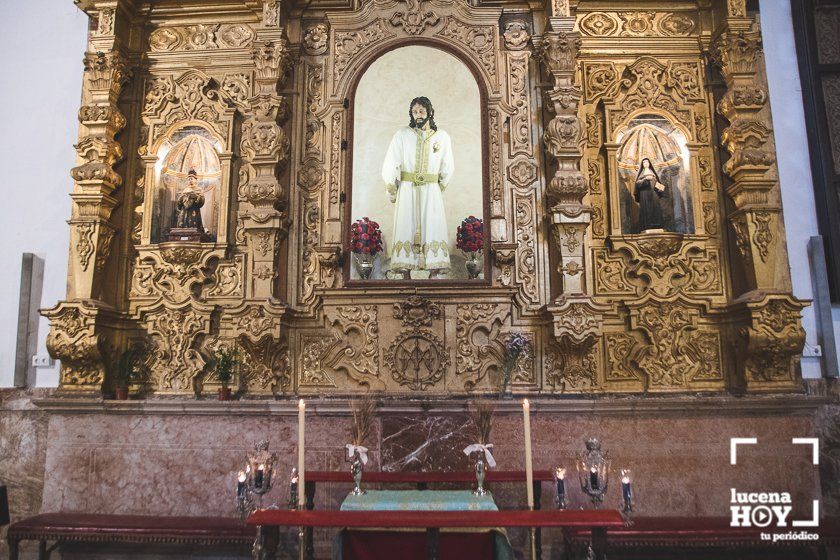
(793, 159)
(43, 42)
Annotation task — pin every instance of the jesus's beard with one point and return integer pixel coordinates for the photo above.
(420, 123)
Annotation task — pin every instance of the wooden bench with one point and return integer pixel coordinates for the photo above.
(594, 522)
(141, 529)
(706, 537)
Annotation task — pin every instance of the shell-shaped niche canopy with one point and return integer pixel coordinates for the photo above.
(648, 141)
(190, 149)
(656, 139)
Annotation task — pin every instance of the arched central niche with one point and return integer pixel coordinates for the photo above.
(189, 150)
(381, 109)
(658, 140)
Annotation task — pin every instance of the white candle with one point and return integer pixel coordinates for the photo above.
(301, 439)
(529, 467)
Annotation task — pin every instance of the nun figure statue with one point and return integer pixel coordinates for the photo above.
(647, 192)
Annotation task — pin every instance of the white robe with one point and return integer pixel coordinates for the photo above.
(420, 235)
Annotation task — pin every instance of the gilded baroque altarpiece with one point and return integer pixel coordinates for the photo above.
(258, 95)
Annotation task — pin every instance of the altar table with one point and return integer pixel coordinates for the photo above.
(385, 543)
(422, 480)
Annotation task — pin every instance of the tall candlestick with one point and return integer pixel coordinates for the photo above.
(240, 485)
(301, 440)
(529, 467)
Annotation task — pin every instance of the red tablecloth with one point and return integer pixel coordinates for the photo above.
(388, 545)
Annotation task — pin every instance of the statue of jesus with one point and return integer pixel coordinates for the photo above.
(417, 168)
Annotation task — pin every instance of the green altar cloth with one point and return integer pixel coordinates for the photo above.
(424, 500)
(419, 500)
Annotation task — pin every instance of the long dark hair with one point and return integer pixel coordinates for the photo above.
(652, 168)
(430, 112)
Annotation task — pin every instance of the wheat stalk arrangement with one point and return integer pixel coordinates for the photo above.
(363, 412)
(481, 413)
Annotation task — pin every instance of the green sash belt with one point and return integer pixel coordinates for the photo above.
(419, 178)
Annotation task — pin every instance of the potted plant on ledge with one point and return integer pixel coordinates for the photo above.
(226, 360)
(125, 370)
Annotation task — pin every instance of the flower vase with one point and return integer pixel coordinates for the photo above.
(473, 268)
(364, 264)
(505, 391)
(356, 469)
(480, 471)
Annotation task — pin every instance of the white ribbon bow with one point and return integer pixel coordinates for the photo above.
(351, 450)
(481, 447)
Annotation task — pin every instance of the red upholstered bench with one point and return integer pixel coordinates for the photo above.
(93, 528)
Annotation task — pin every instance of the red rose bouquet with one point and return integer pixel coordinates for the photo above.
(365, 237)
(470, 236)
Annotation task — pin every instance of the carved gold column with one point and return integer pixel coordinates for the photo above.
(265, 148)
(80, 325)
(569, 216)
(576, 319)
(768, 331)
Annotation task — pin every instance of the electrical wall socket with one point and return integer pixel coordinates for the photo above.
(42, 361)
(812, 351)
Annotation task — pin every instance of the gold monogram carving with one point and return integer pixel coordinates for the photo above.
(417, 359)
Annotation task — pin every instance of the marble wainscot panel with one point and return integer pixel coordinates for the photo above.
(23, 447)
(178, 457)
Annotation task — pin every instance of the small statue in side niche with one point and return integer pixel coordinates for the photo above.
(190, 201)
(647, 192)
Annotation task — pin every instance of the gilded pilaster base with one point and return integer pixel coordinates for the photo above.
(768, 338)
